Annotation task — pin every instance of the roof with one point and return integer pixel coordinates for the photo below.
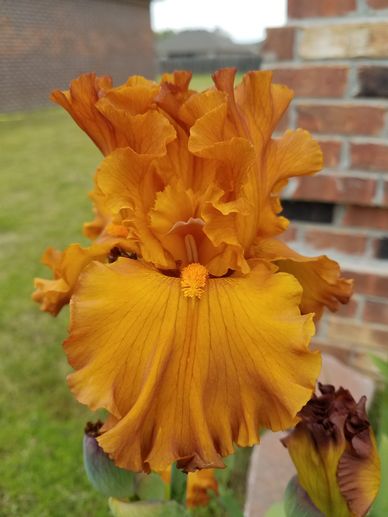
(202, 42)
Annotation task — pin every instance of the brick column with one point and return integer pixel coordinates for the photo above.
(334, 54)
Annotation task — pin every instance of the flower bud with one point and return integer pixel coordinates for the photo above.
(199, 485)
(334, 450)
(102, 473)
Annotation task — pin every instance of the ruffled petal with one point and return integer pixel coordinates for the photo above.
(174, 91)
(136, 97)
(66, 265)
(262, 105)
(129, 185)
(134, 130)
(80, 103)
(320, 277)
(188, 377)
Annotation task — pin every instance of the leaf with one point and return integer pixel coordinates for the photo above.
(178, 485)
(380, 507)
(229, 503)
(381, 365)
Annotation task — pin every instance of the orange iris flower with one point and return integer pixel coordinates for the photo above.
(203, 339)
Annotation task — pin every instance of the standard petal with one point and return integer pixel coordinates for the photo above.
(296, 153)
(262, 104)
(129, 186)
(187, 377)
(80, 103)
(320, 277)
(134, 130)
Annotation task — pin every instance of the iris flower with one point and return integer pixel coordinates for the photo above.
(334, 450)
(193, 333)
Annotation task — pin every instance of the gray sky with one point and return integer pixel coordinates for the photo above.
(244, 20)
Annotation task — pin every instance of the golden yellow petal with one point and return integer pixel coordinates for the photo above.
(188, 377)
(294, 154)
(80, 103)
(129, 186)
(147, 133)
(262, 105)
(320, 277)
(53, 294)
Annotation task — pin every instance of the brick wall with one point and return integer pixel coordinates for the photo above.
(334, 54)
(46, 43)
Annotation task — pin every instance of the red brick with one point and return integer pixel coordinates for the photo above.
(385, 187)
(321, 8)
(371, 157)
(376, 312)
(345, 331)
(378, 4)
(368, 283)
(366, 217)
(331, 152)
(341, 241)
(314, 81)
(279, 44)
(336, 188)
(345, 119)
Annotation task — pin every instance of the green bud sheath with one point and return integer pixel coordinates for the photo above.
(102, 473)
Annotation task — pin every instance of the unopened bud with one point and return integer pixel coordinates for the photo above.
(102, 473)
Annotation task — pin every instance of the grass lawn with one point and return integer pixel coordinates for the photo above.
(46, 170)
(47, 165)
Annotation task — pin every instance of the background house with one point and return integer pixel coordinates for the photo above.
(203, 51)
(46, 43)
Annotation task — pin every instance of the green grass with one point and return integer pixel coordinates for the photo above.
(46, 170)
(47, 165)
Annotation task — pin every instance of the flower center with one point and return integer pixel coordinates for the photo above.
(193, 280)
(191, 248)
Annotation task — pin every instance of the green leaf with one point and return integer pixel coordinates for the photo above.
(178, 485)
(297, 502)
(380, 507)
(229, 503)
(381, 365)
(145, 509)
